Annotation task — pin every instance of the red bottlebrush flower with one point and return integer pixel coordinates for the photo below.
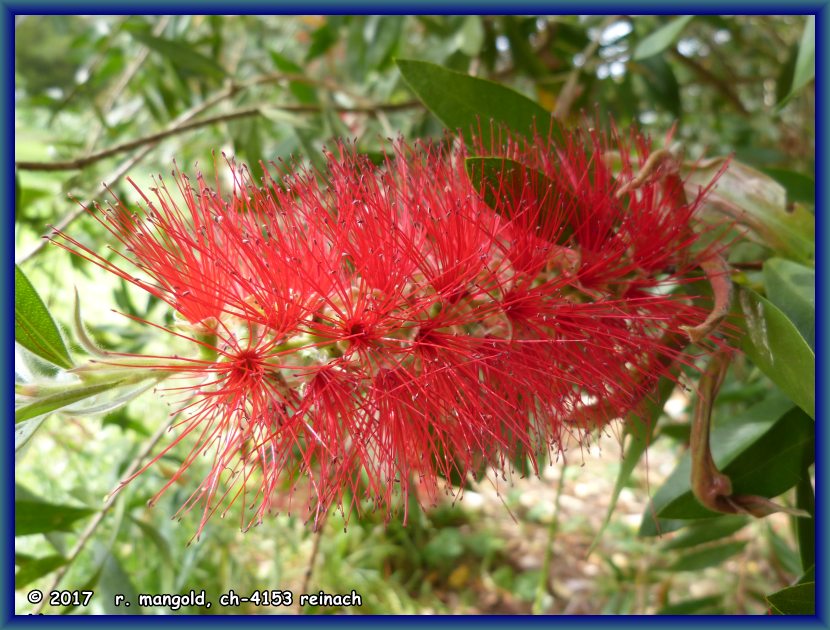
(360, 328)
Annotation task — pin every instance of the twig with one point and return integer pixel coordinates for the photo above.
(568, 94)
(125, 166)
(126, 77)
(713, 80)
(245, 112)
(96, 521)
(312, 560)
(553, 528)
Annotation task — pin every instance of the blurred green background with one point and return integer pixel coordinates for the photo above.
(101, 97)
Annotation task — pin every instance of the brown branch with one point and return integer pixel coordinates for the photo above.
(154, 138)
(714, 80)
(568, 94)
(124, 167)
(312, 560)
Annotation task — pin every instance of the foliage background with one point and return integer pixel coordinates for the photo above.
(107, 96)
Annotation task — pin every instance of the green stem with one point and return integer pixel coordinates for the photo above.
(553, 528)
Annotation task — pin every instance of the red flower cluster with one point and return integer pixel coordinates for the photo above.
(372, 325)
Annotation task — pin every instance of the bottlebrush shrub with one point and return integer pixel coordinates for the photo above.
(369, 327)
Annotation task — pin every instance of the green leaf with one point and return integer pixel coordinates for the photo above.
(712, 605)
(24, 431)
(36, 568)
(181, 55)
(660, 82)
(57, 400)
(651, 525)
(707, 557)
(785, 75)
(756, 201)
(466, 103)
(777, 348)
(794, 600)
(497, 176)
(303, 92)
(662, 38)
(36, 517)
(805, 528)
(792, 288)
(34, 328)
(782, 550)
(706, 531)
(763, 451)
(799, 187)
(805, 63)
(639, 430)
(115, 581)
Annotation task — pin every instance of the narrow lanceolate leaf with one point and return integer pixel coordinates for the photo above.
(805, 63)
(706, 531)
(182, 55)
(805, 499)
(37, 567)
(799, 187)
(36, 517)
(504, 183)
(34, 328)
(774, 344)
(50, 403)
(792, 288)
(707, 556)
(639, 431)
(764, 451)
(756, 202)
(467, 103)
(24, 431)
(662, 38)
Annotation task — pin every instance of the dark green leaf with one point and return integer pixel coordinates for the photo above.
(661, 82)
(799, 187)
(805, 499)
(639, 431)
(785, 76)
(805, 63)
(784, 553)
(794, 600)
(35, 517)
(58, 400)
(777, 348)
(662, 38)
(706, 531)
(505, 185)
(758, 202)
(36, 568)
(34, 327)
(116, 581)
(651, 525)
(181, 55)
(762, 450)
(712, 605)
(155, 536)
(466, 103)
(707, 557)
(792, 288)
(382, 34)
(303, 92)
(322, 39)
(524, 56)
